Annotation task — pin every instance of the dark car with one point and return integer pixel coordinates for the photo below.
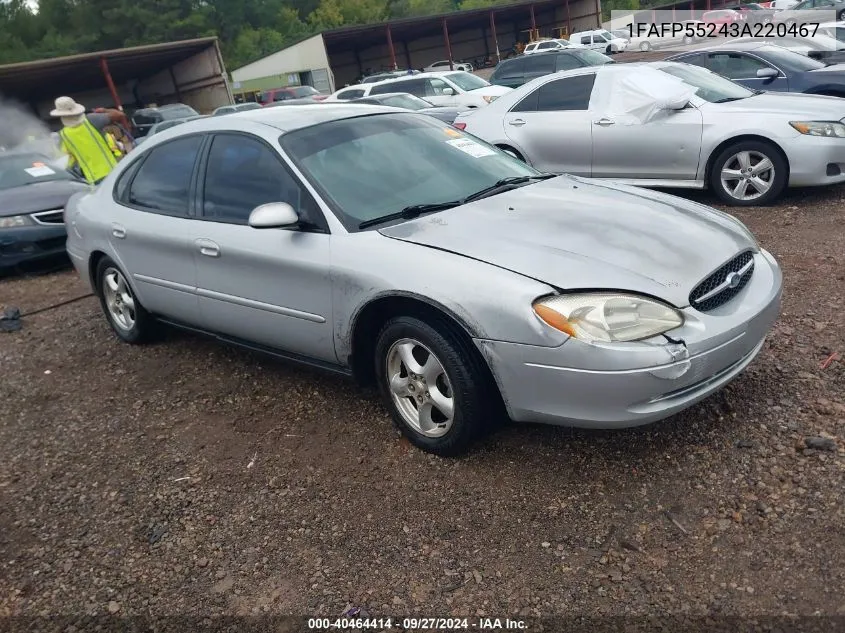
(512, 73)
(294, 92)
(769, 67)
(752, 12)
(33, 194)
(145, 118)
(447, 114)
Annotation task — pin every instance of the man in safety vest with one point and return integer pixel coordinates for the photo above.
(83, 139)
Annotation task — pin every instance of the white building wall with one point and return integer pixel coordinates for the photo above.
(307, 55)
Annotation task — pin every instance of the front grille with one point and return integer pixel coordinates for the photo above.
(724, 284)
(55, 216)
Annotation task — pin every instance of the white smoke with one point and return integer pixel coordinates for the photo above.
(19, 125)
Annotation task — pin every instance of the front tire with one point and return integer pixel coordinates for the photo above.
(749, 173)
(125, 314)
(435, 387)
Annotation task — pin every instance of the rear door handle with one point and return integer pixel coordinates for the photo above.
(208, 248)
(604, 122)
(118, 231)
(516, 122)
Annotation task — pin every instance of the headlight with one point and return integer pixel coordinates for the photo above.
(15, 221)
(607, 317)
(489, 98)
(819, 128)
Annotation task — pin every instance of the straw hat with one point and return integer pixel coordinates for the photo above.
(67, 107)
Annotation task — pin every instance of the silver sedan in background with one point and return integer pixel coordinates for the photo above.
(392, 247)
(746, 145)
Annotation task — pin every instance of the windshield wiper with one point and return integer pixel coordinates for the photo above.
(411, 212)
(416, 210)
(504, 182)
(728, 99)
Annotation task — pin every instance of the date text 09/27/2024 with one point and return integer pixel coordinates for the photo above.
(416, 624)
(703, 30)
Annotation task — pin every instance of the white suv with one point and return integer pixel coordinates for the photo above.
(600, 40)
(549, 45)
(443, 89)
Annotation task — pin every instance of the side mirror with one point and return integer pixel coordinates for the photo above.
(767, 73)
(273, 215)
(448, 92)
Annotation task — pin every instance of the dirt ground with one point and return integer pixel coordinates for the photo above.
(192, 478)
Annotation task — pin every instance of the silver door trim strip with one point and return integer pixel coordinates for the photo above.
(260, 305)
(170, 285)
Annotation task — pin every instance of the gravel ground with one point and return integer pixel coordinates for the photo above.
(192, 478)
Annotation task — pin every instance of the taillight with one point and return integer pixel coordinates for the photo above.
(460, 126)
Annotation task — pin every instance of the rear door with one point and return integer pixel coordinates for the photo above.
(511, 73)
(551, 126)
(539, 65)
(434, 87)
(151, 224)
(266, 286)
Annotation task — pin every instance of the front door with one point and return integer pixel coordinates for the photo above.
(151, 225)
(266, 286)
(742, 68)
(434, 88)
(551, 126)
(666, 148)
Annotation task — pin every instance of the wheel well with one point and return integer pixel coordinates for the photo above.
(739, 139)
(508, 148)
(374, 315)
(93, 262)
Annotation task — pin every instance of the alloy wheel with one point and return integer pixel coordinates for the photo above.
(420, 388)
(119, 299)
(747, 175)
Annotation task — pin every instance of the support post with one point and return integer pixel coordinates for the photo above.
(448, 45)
(175, 85)
(407, 53)
(533, 22)
(495, 37)
(568, 21)
(104, 66)
(390, 48)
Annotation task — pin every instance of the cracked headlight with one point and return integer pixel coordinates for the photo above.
(607, 317)
(819, 128)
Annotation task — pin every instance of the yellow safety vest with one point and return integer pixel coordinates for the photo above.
(90, 149)
(113, 146)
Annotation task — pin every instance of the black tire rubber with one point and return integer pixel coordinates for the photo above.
(468, 377)
(608, 50)
(771, 152)
(145, 327)
(841, 16)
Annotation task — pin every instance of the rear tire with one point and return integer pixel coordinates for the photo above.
(841, 15)
(436, 388)
(749, 173)
(124, 312)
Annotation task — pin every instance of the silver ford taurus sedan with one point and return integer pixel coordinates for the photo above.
(746, 145)
(394, 248)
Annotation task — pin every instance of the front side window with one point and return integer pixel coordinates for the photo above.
(243, 173)
(735, 65)
(709, 86)
(163, 182)
(435, 87)
(467, 81)
(587, 39)
(542, 64)
(546, 45)
(370, 166)
(416, 87)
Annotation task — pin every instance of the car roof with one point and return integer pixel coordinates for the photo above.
(282, 119)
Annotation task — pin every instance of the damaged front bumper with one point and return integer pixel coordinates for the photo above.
(628, 384)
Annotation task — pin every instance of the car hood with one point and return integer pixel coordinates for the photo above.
(573, 234)
(39, 196)
(497, 91)
(793, 104)
(838, 69)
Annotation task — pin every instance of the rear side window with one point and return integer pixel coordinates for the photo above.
(163, 181)
(349, 94)
(542, 64)
(572, 93)
(587, 39)
(510, 68)
(415, 87)
(567, 62)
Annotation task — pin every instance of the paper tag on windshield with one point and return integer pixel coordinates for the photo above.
(37, 172)
(476, 150)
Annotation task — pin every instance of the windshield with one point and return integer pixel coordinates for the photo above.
(370, 166)
(606, 35)
(789, 60)
(305, 91)
(17, 170)
(593, 58)
(563, 41)
(409, 102)
(178, 112)
(710, 86)
(467, 82)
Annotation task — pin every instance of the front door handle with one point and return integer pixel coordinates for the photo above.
(516, 122)
(208, 248)
(118, 231)
(604, 122)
